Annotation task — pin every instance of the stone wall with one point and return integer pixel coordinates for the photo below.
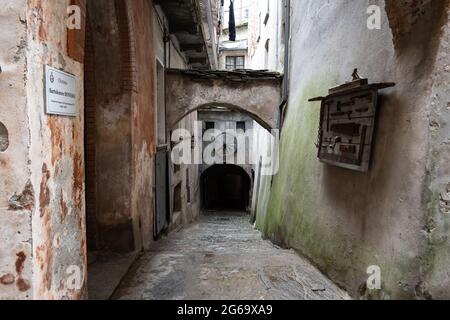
(258, 98)
(114, 85)
(42, 192)
(437, 188)
(56, 160)
(346, 221)
(142, 117)
(17, 192)
(124, 140)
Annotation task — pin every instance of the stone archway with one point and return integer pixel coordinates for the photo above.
(255, 93)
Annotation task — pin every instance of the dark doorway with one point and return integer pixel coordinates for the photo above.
(162, 202)
(225, 187)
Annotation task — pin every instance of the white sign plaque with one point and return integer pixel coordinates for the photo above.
(60, 92)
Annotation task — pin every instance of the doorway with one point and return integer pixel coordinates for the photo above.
(225, 187)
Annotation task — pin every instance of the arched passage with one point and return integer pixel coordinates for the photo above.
(256, 93)
(225, 187)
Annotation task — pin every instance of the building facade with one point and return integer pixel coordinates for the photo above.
(234, 54)
(87, 175)
(393, 218)
(84, 185)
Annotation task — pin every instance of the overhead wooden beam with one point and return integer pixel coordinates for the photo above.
(191, 28)
(199, 47)
(198, 60)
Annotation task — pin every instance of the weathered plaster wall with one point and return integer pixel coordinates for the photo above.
(143, 116)
(403, 16)
(17, 193)
(188, 176)
(262, 151)
(273, 31)
(258, 98)
(185, 177)
(260, 33)
(113, 123)
(56, 160)
(122, 38)
(42, 192)
(436, 270)
(346, 221)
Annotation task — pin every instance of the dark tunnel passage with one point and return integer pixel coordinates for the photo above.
(225, 187)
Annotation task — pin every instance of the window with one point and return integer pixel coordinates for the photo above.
(188, 186)
(266, 58)
(259, 27)
(240, 126)
(233, 63)
(266, 19)
(209, 126)
(177, 199)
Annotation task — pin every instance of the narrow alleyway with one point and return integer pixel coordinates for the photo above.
(223, 257)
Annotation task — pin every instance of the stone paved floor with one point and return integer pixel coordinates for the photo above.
(223, 257)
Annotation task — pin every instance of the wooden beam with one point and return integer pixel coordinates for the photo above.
(199, 47)
(197, 60)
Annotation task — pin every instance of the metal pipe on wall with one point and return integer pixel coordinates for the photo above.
(287, 55)
(287, 49)
(212, 35)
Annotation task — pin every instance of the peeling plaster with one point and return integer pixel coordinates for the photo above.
(24, 201)
(344, 221)
(17, 195)
(7, 279)
(4, 138)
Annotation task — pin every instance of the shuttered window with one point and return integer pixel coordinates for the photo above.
(233, 63)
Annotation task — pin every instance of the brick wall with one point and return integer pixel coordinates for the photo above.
(127, 47)
(89, 122)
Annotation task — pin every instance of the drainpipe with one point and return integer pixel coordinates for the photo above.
(212, 35)
(287, 54)
(287, 49)
(166, 41)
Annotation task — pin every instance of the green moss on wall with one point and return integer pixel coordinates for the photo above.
(292, 219)
(294, 188)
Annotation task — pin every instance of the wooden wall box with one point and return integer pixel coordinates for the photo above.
(347, 124)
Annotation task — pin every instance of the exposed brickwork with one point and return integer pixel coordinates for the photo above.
(127, 47)
(89, 81)
(404, 15)
(76, 38)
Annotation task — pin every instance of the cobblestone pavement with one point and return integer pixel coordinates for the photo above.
(223, 257)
